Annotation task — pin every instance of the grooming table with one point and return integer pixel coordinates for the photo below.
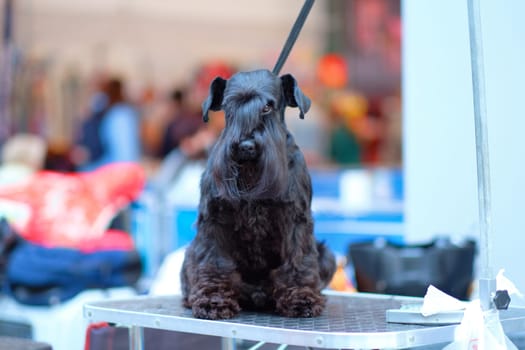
(355, 321)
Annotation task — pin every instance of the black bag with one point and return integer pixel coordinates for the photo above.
(388, 268)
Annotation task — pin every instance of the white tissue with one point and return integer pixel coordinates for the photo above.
(503, 283)
(480, 330)
(436, 301)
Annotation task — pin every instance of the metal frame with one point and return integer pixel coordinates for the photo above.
(355, 320)
(487, 279)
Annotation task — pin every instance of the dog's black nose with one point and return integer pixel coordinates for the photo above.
(247, 150)
(247, 146)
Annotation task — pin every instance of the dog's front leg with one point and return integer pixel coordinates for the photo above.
(296, 288)
(214, 291)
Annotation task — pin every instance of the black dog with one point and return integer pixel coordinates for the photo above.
(255, 247)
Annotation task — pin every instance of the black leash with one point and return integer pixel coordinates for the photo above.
(292, 37)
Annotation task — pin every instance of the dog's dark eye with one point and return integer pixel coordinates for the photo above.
(267, 108)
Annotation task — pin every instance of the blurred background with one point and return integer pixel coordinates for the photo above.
(389, 139)
(347, 59)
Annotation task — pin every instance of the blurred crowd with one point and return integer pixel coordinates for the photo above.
(344, 128)
(89, 117)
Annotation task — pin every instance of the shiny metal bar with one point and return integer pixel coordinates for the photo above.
(228, 344)
(136, 338)
(257, 346)
(486, 273)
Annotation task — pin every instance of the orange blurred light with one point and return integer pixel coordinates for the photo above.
(332, 71)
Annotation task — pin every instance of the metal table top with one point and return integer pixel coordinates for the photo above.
(349, 321)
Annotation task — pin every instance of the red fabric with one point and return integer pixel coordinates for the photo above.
(110, 240)
(90, 328)
(74, 209)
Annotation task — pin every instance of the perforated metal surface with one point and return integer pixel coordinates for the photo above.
(349, 321)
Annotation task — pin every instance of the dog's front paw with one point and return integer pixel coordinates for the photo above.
(300, 302)
(215, 307)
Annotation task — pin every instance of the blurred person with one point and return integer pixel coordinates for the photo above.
(153, 111)
(199, 144)
(112, 133)
(372, 131)
(58, 157)
(391, 147)
(193, 149)
(312, 134)
(22, 156)
(192, 145)
(347, 111)
(183, 122)
(358, 131)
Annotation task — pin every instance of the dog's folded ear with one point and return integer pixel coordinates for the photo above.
(214, 100)
(293, 95)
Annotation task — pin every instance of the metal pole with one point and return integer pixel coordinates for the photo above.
(136, 338)
(487, 281)
(228, 344)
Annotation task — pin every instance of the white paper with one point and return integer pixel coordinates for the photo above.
(436, 301)
(503, 283)
(480, 331)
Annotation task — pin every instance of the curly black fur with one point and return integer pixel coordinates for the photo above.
(255, 247)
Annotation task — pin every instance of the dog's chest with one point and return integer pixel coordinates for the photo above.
(256, 234)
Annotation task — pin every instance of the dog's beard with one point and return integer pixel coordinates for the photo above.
(264, 178)
(248, 177)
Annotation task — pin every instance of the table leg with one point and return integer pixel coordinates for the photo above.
(136, 338)
(228, 344)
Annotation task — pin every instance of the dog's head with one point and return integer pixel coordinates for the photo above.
(250, 159)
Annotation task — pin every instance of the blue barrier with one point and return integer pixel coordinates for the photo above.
(159, 227)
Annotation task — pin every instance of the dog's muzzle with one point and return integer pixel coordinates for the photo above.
(247, 150)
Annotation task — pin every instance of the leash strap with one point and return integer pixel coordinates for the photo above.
(292, 37)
